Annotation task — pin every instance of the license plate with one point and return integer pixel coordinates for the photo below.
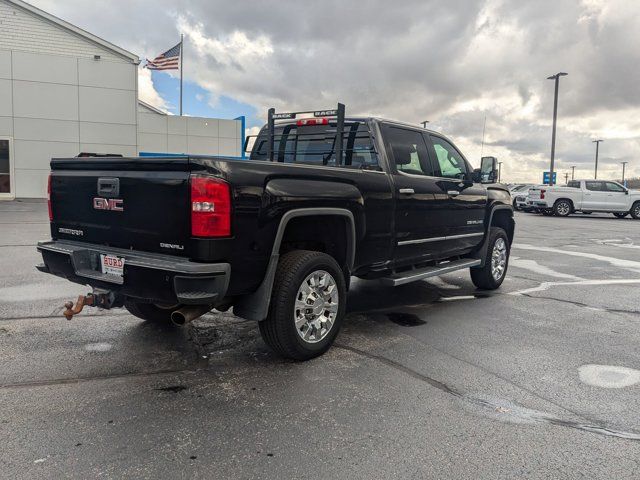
(112, 265)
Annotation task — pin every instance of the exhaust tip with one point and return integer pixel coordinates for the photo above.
(177, 318)
(184, 315)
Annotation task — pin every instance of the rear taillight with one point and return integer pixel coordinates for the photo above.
(49, 198)
(210, 207)
(542, 194)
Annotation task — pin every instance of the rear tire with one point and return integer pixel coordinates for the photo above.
(635, 210)
(562, 208)
(491, 275)
(307, 305)
(150, 312)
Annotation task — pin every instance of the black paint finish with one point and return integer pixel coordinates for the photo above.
(156, 201)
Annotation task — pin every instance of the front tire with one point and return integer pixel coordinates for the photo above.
(492, 274)
(562, 208)
(547, 212)
(620, 214)
(635, 210)
(307, 305)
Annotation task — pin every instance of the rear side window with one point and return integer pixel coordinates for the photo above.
(573, 184)
(409, 151)
(595, 186)
(315, 145)
(452, 164)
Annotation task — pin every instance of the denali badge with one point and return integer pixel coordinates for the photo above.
(113, 204)
(70, 231)
(172, 245)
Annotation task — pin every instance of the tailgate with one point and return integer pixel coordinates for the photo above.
(139, 204)
(534, 194)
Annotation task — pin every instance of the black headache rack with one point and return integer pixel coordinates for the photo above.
(272, 116)
(319, 117)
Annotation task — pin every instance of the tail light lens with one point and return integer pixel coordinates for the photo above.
(542, 194)
(210, 207)
(49, 198)
(312, 121)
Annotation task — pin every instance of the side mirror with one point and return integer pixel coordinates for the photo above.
(488, 169)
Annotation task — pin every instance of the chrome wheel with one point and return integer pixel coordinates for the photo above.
(498, 259)
(316, 306)
(636, 211)
(563, 209)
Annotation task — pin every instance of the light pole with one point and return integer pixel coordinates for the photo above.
(566, 177)
(624, 164)
(555, 77)
(499, 171)
(573, 171)
(424, 123)
(597, 142)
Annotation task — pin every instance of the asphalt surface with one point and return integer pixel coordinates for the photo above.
(433, 379)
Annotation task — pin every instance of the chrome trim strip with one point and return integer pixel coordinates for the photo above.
(440, 239)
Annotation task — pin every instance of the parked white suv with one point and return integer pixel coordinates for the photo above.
(586, 196)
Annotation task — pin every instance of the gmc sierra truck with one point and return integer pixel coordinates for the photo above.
(322, 198)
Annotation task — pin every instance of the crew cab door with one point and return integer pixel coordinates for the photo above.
(617, 197)
(594, 196)
(420, 205)
(465, 201)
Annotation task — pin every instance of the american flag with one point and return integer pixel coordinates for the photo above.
(168, 60)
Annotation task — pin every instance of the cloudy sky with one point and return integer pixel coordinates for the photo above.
(451, 62)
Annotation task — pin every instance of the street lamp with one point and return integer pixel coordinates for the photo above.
(555, 77)
(566, 177)
(573, 171)
(424, 123)
(624, 164)
(597, 142)
(499, 171)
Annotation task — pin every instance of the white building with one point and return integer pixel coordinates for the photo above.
(64, 91)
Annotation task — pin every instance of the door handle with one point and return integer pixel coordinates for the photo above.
(453, 193)
(407, 191)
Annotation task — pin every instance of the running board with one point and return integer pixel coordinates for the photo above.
(418, 274)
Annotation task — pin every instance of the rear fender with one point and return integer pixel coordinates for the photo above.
(255, 306)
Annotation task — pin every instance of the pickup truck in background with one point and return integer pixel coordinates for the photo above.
(586, 196)
(278, 236)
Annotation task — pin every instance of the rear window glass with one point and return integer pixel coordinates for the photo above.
(573, 184)
(315, 145)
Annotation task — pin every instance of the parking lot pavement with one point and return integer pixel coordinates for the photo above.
(539, 379)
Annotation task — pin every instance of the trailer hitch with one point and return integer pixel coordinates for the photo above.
(99, 298)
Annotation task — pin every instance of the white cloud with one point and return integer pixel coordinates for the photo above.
(147, 92)
(450, 62)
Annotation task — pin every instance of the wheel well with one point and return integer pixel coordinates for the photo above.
(324, 233)
(566, 200)
(504, 219)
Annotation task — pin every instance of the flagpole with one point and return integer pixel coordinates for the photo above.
(181, 60)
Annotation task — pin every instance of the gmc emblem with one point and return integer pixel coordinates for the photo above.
(113, 204)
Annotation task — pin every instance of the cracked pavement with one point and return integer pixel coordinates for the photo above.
(432, 379)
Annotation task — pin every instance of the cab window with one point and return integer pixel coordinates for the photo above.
(452, 164)
(573, 184)
(409, 151)
(595, 186)
(614, 187)
(315, 145)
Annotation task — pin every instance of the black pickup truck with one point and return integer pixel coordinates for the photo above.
(323, 197)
